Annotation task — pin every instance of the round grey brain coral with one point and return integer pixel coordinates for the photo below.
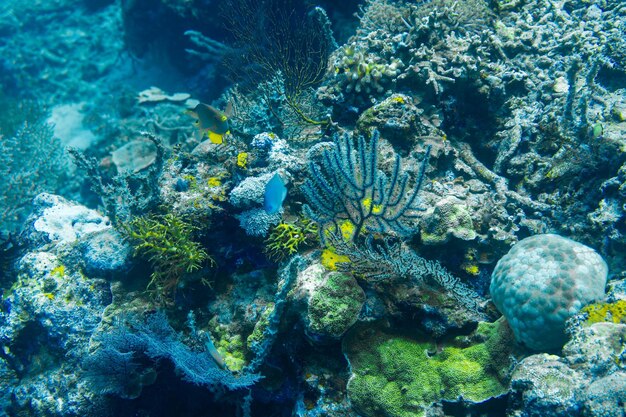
(543, 281)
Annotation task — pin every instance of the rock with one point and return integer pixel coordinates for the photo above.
(62, 222)
(589, 380)
(335, 306)
(547, 387)
(606, 397)
(328, 301)
(104, 252)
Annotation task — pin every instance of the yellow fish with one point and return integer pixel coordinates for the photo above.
(212, 121)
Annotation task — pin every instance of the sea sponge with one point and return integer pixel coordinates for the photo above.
(543, 281)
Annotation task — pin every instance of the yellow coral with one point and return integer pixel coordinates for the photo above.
(377, 209)
(242, 160)
(330, 259)
(214, 182)
(285, 238)
(472, 269)
(601, 312)
(346, 227)
(59, 270)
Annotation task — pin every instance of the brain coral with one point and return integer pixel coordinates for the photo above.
(541, 282)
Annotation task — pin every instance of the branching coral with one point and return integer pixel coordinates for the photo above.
(286, 238)
(31, 160)
(127, 194)
(389, 260)
(167, 244)
(346, 184)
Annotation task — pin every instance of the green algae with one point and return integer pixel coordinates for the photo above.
(335, 306)
(400, 376)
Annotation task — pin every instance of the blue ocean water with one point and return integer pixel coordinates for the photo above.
(292, 208)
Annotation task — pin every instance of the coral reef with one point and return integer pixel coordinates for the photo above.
(50, 310)
(347, 248)
(166, 241)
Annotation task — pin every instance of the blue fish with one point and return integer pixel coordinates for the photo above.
(275, 193)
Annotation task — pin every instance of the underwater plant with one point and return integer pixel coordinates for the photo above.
(285, 238)
(166, 242)
(346, 184)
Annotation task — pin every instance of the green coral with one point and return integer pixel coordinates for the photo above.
(166, 242)
(285, 238)
(257, 335)
(398, 376)
(335, 305)
(229, 345)
(448, 218)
